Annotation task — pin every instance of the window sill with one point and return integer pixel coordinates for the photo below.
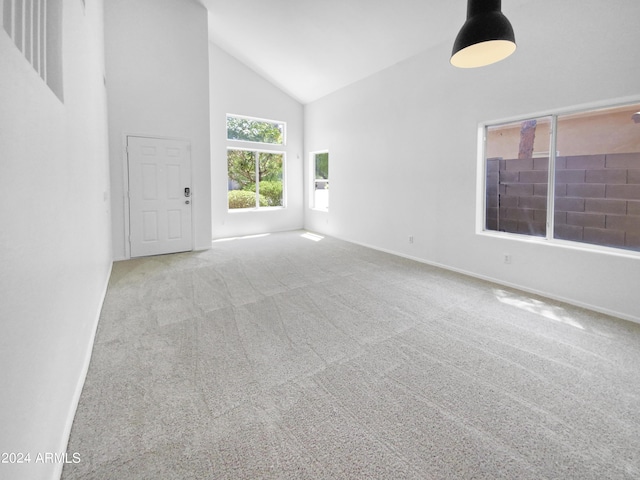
(566, 244)
(261, 209)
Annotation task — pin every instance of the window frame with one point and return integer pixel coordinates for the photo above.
(257, 207)
(312, 180)
(257, 119)
(480, 224)
(258, 147)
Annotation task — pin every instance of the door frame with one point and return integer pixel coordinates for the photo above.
(126, 204)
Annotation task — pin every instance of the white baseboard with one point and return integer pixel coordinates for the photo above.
(498, 281)
(80, 385)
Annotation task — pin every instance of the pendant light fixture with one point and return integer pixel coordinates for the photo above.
(485, 38)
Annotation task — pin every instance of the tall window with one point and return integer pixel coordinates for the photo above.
(255, 175)
(320, 191)
(584, 167)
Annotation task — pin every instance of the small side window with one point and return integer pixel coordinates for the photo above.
(320, 190)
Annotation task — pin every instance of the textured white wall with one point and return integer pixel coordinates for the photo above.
(403, 149)
(157, 76)
(238, 90)
(55, 247)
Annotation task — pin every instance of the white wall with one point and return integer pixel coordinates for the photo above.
(157, 77)
(236, 89)
(55, 248)
(403, 148)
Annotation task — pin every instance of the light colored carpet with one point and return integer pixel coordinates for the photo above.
(281, 357)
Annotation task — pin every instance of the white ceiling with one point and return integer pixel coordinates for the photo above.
(310, 48)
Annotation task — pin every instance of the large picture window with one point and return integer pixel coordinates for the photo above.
(255, 175)
(584, 167)
(255, 179)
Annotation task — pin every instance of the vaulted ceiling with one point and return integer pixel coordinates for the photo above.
(310, 48)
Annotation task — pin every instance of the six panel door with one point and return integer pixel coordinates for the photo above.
(159, 196)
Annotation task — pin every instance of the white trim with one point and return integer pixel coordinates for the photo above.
(559, 298)
(125, 197)
(550, 226)
(583, 107)
(126, 206)
(45, 33)
(260, 150)
(257, 160)
(263, 120)
(2, 16)
(312, 181)
(481, 179)
(66, 434)
(234, 211)
(568, 244)
(549, 239)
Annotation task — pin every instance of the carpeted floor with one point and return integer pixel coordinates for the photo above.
(288, 356)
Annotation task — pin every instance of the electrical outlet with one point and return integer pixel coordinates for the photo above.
(410, 238)
(507, 258)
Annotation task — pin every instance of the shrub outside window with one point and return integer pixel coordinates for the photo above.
(247, 166)
(583, 166)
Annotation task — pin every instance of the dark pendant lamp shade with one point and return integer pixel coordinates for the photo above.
(485, 38)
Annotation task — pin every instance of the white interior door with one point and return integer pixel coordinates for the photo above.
(159, 196)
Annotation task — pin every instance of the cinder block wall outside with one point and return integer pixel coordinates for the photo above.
(597, 198)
